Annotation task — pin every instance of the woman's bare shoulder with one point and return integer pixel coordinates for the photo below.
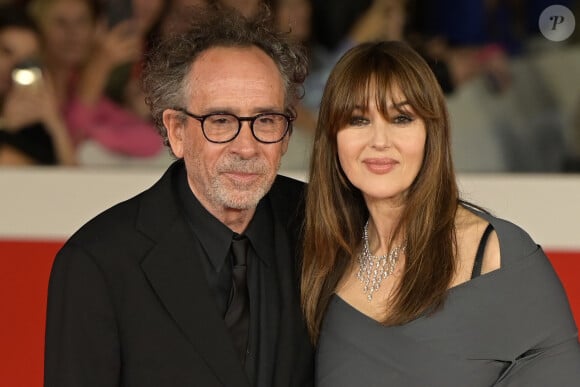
(470, 229)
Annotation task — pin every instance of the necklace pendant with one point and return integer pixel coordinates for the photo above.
(372, 269)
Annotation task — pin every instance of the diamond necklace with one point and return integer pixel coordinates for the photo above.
(372, 269)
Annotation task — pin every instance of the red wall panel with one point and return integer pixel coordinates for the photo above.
(24, 272)
(25, 268)
(567, 265)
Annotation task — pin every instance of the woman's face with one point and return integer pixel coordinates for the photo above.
(16, 45)
(382, 156)
(68, 28)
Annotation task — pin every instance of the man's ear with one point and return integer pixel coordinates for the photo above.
(174, 124)
(285, 142)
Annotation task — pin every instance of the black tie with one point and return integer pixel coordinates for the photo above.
(237, 317)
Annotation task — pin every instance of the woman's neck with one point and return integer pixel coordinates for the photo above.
(383, 221)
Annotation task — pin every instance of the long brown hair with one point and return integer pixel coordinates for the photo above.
(335, 209)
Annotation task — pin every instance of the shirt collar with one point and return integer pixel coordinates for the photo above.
(260, 231)
(215, 237)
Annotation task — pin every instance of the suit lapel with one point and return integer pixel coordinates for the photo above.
(175, 273)
(269, 324)
(284, 351)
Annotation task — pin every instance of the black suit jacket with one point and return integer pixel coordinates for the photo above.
(129, 305)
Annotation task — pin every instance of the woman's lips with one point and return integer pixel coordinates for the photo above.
(380, 166)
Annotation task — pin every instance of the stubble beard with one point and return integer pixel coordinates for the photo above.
(227, 193)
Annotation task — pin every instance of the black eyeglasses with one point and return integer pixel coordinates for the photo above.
(219, 128)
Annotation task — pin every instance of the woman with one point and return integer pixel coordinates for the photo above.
(403, 283)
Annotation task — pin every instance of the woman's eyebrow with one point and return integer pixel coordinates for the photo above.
(399, 105)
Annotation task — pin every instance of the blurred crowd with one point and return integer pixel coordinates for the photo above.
(70, 76)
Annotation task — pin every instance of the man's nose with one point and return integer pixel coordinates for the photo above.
(245, 144)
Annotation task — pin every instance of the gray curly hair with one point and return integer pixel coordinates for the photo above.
(167, 65)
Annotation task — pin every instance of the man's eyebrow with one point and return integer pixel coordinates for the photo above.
(257, 110)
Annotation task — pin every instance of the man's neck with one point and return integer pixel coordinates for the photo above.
(236, 220)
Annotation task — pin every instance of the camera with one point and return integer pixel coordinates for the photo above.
(27, 73)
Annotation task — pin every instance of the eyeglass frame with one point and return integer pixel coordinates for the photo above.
(251, 120)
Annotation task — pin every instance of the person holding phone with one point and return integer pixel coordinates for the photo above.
(98, 70)
(32, 129)
(126, 32)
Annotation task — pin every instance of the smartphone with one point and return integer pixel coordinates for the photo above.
(119, 11)
(27, 73)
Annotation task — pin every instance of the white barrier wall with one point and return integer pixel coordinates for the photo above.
(51, 203)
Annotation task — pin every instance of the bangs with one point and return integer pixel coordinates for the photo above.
(362, 80)
(376, 74)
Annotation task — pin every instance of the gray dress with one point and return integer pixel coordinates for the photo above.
(509, 327)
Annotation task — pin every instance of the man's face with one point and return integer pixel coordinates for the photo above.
(68, 29)
(232, 176)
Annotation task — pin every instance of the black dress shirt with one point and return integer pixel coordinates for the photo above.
(215, 239)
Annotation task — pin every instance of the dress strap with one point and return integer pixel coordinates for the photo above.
(476, 272)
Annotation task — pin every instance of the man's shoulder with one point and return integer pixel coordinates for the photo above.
(110, 223)
(122, 220)
(287, 197)
(284, 185)
(287, 193)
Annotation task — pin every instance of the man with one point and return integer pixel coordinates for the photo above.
(155, 291)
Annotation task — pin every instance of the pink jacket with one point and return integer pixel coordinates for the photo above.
(113, 127)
